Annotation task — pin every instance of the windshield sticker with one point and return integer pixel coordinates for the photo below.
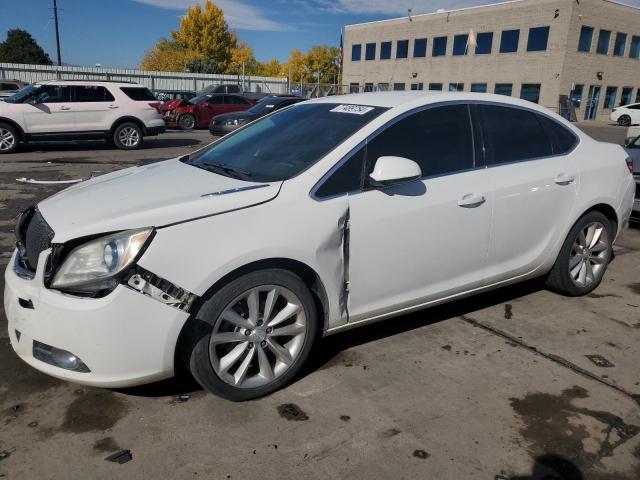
(354, 109)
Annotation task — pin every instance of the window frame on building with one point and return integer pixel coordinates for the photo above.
(627, 92)
(488, 48)
(634, 49)
(370, 48)
(402, 49)
(610, 96)
(356, 47)
(528, 98)
(439, 43)
(620, 42)
(460, 45)
(532, 42)
(584, 31)
(420, 51)
(498, 86)
(604, 42)
(437, 87)
(504, 48)
(456, 87)
(418, 86)
(383, 86)
(575, 97)
(397, 85)
(478, 87)
(385, 50)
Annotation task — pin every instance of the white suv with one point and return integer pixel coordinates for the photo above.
(122, 113)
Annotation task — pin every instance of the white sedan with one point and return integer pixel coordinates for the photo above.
(324, 216)
(626, 115)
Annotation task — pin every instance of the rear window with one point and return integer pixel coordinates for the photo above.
(139, 94)
(562, 139)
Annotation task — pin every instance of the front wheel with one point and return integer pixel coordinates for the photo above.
(584, 256)
(127, 136)
(252, 337)
(187, 121)
(624, 121)
(9, 139)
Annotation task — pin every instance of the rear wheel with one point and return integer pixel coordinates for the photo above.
(187, 121)
(624, 121)
(584, 256)
(9, 139)
(127, 136)
(252, 336)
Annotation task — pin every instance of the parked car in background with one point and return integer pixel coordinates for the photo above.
(632, 132)
(198, 112)
(169, 95)
(228, 122)
(626, 115)
(633, 149)
(122, 113)
(10, 87)
(328, 215)
(231, 88)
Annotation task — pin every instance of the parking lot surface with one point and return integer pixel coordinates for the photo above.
(518, 383)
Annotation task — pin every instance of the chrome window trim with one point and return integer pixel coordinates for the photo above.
(474, 126)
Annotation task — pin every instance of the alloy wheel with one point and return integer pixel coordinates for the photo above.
(7, 139)
(187, 122)
(625, 121)
(258, 336)
(129, 137)
(589, 254)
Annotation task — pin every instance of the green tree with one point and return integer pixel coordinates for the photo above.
(20, 47)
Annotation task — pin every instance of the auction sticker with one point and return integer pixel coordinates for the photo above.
(354, 109)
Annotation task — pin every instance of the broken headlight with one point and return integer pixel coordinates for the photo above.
(94, 265)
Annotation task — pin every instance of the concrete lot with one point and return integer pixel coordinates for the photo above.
(497, 386)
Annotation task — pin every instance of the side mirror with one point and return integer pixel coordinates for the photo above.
(393, 171)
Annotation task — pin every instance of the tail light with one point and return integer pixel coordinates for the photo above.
(629, 164)
(155, 105)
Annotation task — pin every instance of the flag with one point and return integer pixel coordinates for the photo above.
(472, 41)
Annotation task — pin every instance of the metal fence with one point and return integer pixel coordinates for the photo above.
(154, 80)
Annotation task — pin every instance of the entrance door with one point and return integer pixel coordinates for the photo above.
(591, 109)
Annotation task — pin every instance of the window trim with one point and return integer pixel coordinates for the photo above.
(398, 42)
(539, 28)
(510, 30)
(593, 31)
(382, 50)
(477, 135)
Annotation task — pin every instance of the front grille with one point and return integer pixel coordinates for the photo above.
(34, 236)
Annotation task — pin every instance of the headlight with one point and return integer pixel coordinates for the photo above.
(93, 265)
(234, 122)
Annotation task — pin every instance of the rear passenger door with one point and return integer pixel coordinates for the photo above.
(95, 108)
(535, 179)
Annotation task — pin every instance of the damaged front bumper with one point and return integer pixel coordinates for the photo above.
(125, 338)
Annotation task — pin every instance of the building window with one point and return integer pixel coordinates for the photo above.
(586, 37)
(370, 51)
(402, 49)
(420, 47)
(484, 43)
(638, 96)
(479, 87)
(437, 87)
(610, 97)
(460, 43)
(503, 89)
(398, 87)
(417, 86)
(509, 41)
(354, 88)
(538, 39)
(456, 87)
(439, 47)
(619, 46)
(383, 87)
(634, 51)
(356, 53)
(625, 99)
(576, 95)
(368, 87)
(530, 92)
(603, 42)
(385, 50)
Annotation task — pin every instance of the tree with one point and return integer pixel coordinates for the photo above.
(241, 55)
(168, 56)
(272, 68)
(296, 67)
(20, 47)
(324, 61)
(206, 33)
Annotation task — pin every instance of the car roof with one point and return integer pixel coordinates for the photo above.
(90, 82)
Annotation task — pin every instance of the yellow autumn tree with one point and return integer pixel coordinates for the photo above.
(167, 56)
(296, 67)
(241, 55)
(272, 68)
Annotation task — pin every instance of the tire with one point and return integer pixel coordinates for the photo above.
(9, 139)
(624, 121)
(579, 270)
(127, 136)
(232, 353)
(187, 121)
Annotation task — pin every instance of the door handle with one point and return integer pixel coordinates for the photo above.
(564, 179)
(65, 108)
(471, 200)
(113, 107)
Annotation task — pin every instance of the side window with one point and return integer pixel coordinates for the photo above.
(53, 94)
(91, 93)
(562, 139)
(217, 100)
(512, 134)
(236, 100)
(347, 178)
(438, 139)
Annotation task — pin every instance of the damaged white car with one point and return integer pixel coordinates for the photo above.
(323, 216)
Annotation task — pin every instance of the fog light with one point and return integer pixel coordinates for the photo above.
(58, 357)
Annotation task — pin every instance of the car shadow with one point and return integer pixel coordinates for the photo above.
(80, 145)
(550, 467)
(329, 347)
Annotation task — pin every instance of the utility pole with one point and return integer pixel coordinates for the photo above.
(55, 17)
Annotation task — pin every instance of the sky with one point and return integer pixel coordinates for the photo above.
(116, 33)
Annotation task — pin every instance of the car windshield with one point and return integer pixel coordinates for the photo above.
(284, 144)
(198, 99)
(23, 94)
(263, 106)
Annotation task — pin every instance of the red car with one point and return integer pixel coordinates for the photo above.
(198, 112)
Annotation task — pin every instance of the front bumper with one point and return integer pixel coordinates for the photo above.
(125, 338)
(221, 130)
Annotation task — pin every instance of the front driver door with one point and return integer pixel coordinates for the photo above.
(428, 239)
(50, 111)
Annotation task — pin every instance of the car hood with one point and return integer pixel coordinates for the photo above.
(154, 195)
(170, 105)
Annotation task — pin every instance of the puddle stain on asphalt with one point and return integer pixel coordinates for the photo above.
(291, 411)
(548, 427)
(106, 445)
(95, 410)
(346, 358)
(603, 295)
(421, 454)
(508, 311)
